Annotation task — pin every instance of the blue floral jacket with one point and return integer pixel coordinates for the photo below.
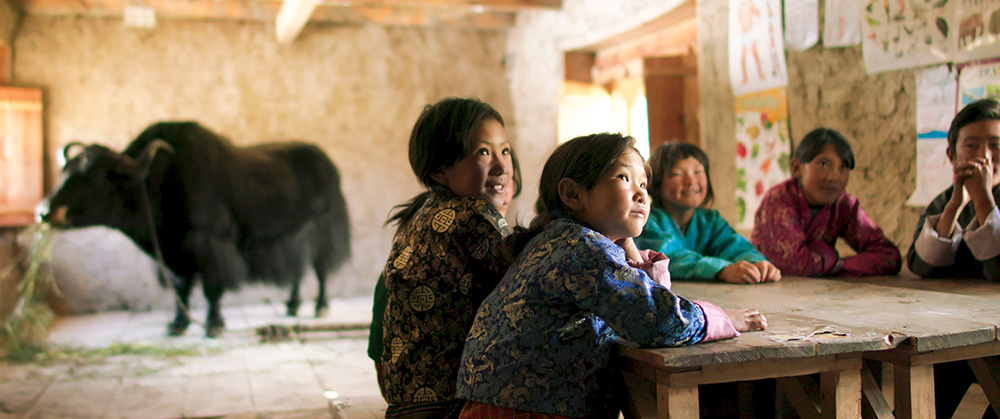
(542, 340)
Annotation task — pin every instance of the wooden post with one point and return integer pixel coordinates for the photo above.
(914, 391)
(841, 394)
(679, 402)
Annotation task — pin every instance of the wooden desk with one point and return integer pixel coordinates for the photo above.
(911, 326)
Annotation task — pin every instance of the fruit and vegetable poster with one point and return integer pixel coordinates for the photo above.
(756, 46)
(937, 91)
(899, 34)
(762, 149)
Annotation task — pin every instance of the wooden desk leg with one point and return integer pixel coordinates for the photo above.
(914, 391)
(987, 371)
(841, 394)
(676, 402)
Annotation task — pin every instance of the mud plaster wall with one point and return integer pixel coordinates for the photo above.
(354, 90)
(826, 87)
(9, 18)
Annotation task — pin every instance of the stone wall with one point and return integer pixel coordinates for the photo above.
(353, 90)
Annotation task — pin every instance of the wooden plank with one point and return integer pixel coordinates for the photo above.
(931, 320)
(677, 402)
(914, 391)
(987, 371)
(790, 336)
(756, 370)
(841, 394)
(347, 13)
(909, 357)
(873, 396)
(292, 18)
(804, 406)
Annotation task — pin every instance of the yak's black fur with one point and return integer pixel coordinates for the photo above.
(227, 215)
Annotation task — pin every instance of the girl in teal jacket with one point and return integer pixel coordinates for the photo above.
(699, 242)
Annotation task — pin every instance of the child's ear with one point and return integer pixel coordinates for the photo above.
(439, 177)
(570, 194)
(796, 167)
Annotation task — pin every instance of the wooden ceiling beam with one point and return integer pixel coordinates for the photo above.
(292, 18)
(268, 10)
(484, 4)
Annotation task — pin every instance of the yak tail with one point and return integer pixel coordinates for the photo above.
(340, 225)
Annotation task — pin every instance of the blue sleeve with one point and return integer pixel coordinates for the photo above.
(725, 243)
(628, 301)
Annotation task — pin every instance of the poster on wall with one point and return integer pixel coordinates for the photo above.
(979, 80)
(899, 34)
(978, 30)
(802, 24)
(842, 26)
(937, 91)
(762, 149)
(756, 46)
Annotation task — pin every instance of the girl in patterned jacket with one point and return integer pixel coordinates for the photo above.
(446, 255)
(799, 221)
(542, 340)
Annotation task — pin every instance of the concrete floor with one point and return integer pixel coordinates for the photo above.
(322, 374)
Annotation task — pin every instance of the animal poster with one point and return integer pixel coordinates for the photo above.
(842, 26)
(762, 149)
(937, 95)
(978, 26)
(756, 46)
(801, 24)
(899, 34)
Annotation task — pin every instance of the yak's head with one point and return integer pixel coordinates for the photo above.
(98, 186)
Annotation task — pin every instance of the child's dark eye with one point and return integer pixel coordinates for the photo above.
(505, 152)
(622, 176)
(483, 152)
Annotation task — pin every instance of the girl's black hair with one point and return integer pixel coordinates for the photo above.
(440, 138)
(980, 110)
(663, 160)
(582, 159)
(812, 144)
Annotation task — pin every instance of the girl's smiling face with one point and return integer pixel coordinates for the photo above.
(685, 185)
(486, 170)
(824, 178)
(618, 205)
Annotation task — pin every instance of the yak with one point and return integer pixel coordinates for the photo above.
(210, 210)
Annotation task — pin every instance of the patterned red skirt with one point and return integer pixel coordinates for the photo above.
(476, 410)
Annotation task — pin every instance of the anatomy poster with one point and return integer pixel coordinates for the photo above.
(762, 149)
(978, 29)
(756, 46)
(900, 34)
(801, 24)
(937, 90)
(842, 26)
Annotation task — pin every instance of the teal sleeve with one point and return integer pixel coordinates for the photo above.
(727, 244)
(660, 235)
